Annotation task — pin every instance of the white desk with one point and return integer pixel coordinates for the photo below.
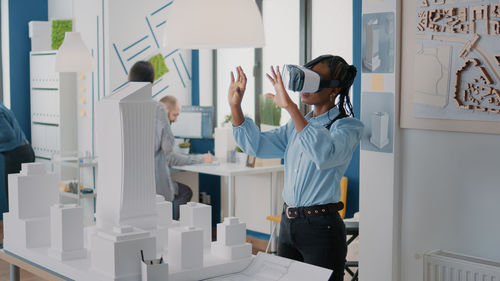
(230, 171)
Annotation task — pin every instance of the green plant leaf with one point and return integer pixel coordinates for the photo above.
(59, 28)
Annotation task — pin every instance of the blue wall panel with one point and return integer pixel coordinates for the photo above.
(21, 12)
(352, 172)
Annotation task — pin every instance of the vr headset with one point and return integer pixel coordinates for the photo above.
(302, 79)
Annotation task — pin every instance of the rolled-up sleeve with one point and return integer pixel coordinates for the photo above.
(271, 144)
(334, 147)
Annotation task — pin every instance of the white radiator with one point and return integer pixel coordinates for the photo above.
(446, 266)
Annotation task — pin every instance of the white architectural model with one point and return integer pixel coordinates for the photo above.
(66, 232)
(133, 225)
(380, 129)
(185, 248)
(31, 193)
(231, 242)
(372, 59)
(200, 216)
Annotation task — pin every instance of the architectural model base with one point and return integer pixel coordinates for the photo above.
(81, 270)
(67, 255)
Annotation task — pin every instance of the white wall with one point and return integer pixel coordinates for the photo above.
(451, 189)
(60, 9)
(332, 28)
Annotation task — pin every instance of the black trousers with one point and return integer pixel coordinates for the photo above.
(317, 240)
(13, 160)
(185, 194)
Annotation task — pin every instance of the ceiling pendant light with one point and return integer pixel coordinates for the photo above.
(73, 55)
(212, 24)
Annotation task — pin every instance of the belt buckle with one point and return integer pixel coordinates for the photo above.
(288, 213)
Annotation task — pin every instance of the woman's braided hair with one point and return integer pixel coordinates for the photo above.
(345, 73)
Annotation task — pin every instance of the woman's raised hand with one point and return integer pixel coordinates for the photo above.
(237, 87)
(281, 98)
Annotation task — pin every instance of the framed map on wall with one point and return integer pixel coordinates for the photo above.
(450, 76)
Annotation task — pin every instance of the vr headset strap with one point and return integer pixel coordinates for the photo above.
(330, 84)
(340, 116)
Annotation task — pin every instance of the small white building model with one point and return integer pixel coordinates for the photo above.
(372, 59)
(66, 232)
(200, 216)
(185, 248)
(31, 193)
(380, 129)
(231, 242)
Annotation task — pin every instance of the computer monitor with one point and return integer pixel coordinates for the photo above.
(195, 122)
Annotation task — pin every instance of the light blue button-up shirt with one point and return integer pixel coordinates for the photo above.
(315, 159)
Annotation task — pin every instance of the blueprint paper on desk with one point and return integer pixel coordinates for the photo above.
(265, 267)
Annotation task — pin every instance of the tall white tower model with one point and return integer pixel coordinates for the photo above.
(126, 206)
(372, 59)
(125, 137)
(380, 129)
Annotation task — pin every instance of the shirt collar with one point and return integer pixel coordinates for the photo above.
(325, 118)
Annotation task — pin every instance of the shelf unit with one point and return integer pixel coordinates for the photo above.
(53, 97)
(53, 108)
(81, 164)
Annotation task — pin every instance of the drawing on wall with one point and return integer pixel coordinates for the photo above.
(378, 118)
(457, 57)
(378, 43)
(132, 42)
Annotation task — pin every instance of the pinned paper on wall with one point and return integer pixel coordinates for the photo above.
(82, 100)
(82, 112)
(82, 88)
(81, 76)
(377, 82)
(159, 65)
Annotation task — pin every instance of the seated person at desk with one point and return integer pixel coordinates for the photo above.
(13, 145)
(165, 156)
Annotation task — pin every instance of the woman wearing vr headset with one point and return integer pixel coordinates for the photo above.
(316, 148)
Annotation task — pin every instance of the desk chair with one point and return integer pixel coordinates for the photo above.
(352, 228)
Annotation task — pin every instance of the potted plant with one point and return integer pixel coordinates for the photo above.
(184, 147)
(241, 157)
(270, 114)
(228, 120)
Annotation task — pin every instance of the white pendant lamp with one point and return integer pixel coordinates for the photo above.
(212, 24)
(73, 55)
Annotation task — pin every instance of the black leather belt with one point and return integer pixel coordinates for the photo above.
(316, 210)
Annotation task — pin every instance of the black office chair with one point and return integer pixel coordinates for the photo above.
(352, 228)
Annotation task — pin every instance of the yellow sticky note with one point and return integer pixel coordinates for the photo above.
(377, 82)
(83, 112)
(82, 88)
(82, 100)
